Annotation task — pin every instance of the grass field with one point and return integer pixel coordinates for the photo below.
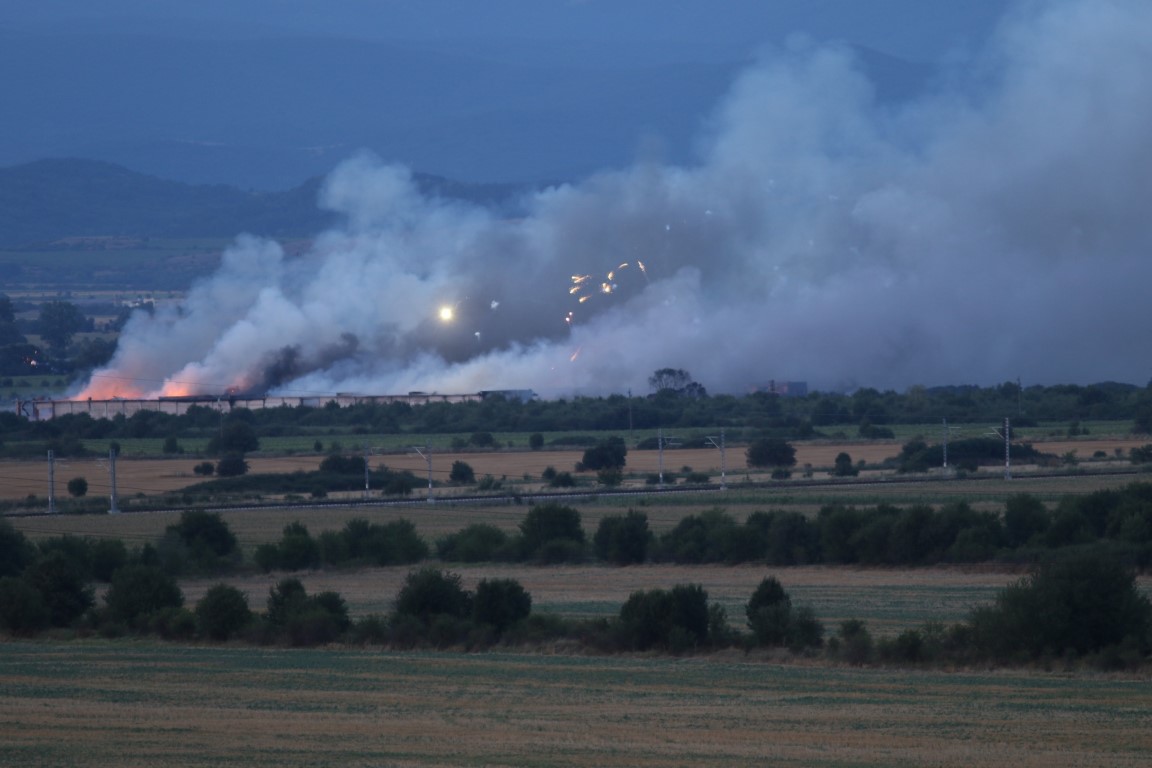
(138, 704)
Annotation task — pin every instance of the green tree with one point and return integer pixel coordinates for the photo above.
(15, 551)
(22, 608)
(552, 532)
(430, 592)
(462, 473)
(536, 441)
(232, 465)
(61, 584)
(77, 487)
(500, 603)
(236, 437)
(769, 612)
(843, 466)
(770, 452)
(622, 539)
(138, 591)
(59, 322)
(222, 613)
(607, 454)
(1081, 605)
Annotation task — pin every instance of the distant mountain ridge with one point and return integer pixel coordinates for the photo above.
(50, 200)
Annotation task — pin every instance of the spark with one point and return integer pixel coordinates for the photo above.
(575, 355)
(447, 313)
(584, 299)
(495, 304)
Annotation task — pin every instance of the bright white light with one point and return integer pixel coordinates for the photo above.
(447, 314)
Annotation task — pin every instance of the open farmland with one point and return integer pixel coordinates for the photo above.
(129, 704)
(146, 476)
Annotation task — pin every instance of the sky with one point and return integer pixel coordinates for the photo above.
(266, 93)
(988, 225)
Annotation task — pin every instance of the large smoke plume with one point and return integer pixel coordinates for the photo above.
(995, 228)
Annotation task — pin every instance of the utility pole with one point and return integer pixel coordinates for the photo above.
(1007, 446)
(366, 452)
(114, 509)
(945, 443)
(723, 461)
(51, 483)
(426, 454)
(660, 445)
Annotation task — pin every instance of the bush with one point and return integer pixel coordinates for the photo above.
(297, 549)
(549, 523)
(204, 469)
(232, 465)
(854, 642)
(843, 466)
(462, 473)
(343, 465)
(222, 613)
(479, 542)
(536, 441)
(22, 608)
(770, 452)
(676, 620)
(1081, 605)
(500, 603)
(62, 587)
(607, 454)
(430, 592)
(77, 487)
(15, 551)
(622, 539)
(769, 613)
(137, 591)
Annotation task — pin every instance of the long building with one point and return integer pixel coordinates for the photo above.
(43, 410)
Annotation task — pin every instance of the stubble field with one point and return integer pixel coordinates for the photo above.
(130, 705)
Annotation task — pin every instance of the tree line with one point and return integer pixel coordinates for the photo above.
(866, 413)
(1084, 607)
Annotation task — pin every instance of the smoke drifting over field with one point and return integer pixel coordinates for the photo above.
(998, 227)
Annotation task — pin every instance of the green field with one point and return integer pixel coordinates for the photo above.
(139, 704)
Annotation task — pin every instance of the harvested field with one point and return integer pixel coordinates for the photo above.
(121, 704)
(19, 479)
(889, 600)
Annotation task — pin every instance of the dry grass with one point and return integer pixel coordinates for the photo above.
(143, 705)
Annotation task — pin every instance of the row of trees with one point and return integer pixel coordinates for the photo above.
(57, 324)
(1086, 606)
(861, 414)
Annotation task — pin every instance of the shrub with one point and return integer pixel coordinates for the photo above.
(774, 622)
(676, 620)
(204, 469)
(77, 487)
(61, 585)
(343, 465)
(548, 523)
(536, 441)
(297, 549)
(854, 642)
(462, 473)
(479, 542)
(606, 454)
(500, 603)
(137, 591)
(15, 551)
(223, 613)
(108, 555)
(562, 480)
(232, 465)
(770, 452)
(1081, 605)
(22, 608)
(843, 466)
(622, 539)
(430, 592)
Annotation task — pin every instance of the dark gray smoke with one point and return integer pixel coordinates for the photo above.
(994, 229)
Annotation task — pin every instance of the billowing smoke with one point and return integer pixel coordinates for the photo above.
(995, 228)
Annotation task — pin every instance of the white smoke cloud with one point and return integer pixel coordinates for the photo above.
(998, 227)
